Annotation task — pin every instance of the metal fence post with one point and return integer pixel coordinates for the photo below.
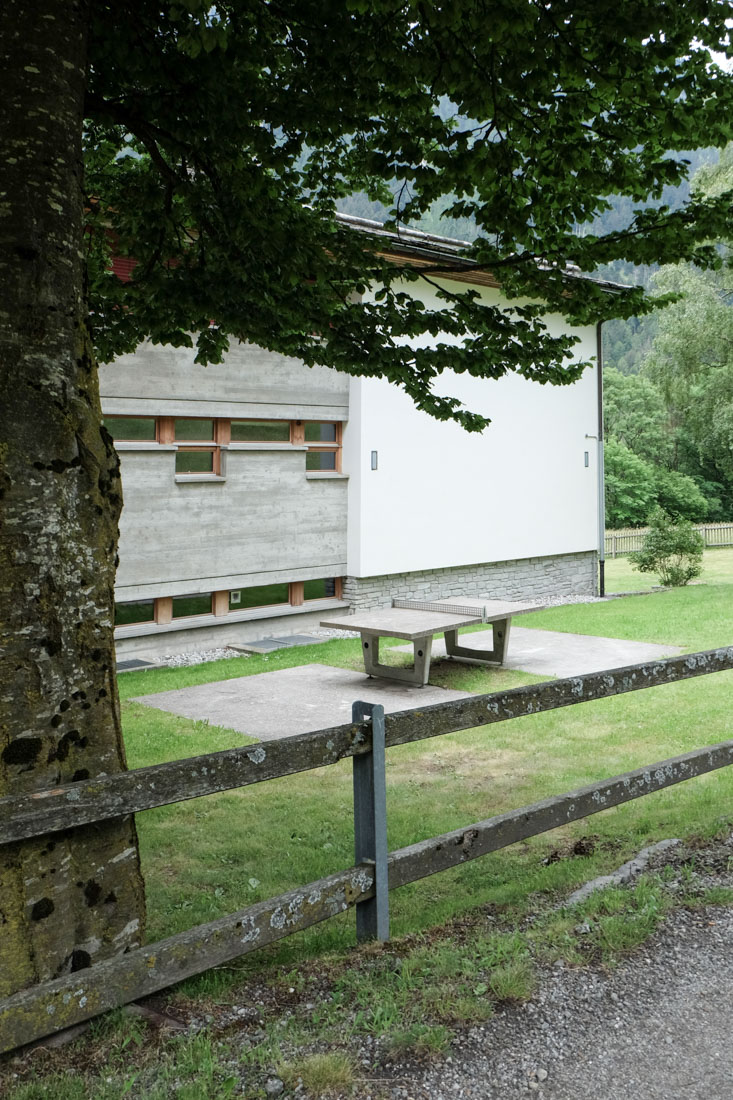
(370, 824)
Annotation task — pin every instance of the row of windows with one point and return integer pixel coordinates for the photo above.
(200, 439)
(165, 609)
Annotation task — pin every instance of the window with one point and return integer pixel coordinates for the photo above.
(131, 427)
(199, 604)
(287, 595)
(136, 611)
(264, 595)
(323, 440)
(197, 452)
(324, 589)
(260, 431)
(199, 440)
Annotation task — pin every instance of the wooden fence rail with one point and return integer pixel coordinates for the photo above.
(52, 1006)
(625, 540)
(42, 812)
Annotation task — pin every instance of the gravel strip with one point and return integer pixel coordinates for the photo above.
(655, 1029)
(199, 657)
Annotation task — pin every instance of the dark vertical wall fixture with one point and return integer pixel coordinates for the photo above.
(601, 472)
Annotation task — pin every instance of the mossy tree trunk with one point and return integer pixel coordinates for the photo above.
(76, 897)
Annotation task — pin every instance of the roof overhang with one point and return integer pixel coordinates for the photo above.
(443, 256)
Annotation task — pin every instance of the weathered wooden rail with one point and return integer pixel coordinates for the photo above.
(51, 1006)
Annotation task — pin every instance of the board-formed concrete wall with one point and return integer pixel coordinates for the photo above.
(206, 632)
(265, 521)
(251, 382)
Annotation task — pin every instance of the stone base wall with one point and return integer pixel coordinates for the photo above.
(528, 578)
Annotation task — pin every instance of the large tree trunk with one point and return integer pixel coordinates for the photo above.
(76, 897)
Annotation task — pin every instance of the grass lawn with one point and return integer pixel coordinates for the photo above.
(313, 994)
(622, 577)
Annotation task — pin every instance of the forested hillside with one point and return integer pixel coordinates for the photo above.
(668, 381)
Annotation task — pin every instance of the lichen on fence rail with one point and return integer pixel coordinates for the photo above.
(52, 1006)
(105, 797)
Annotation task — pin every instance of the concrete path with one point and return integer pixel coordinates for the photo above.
(286, 701)
(553, 653)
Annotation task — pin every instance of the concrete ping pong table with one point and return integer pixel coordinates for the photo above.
(419, 620)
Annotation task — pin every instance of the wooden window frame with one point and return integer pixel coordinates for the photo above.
(221, 432)
(165, 433)
(163, 605)
(334, 448)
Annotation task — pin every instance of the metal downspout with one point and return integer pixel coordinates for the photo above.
(601, 471)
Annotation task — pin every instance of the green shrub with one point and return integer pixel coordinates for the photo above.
(672, 550)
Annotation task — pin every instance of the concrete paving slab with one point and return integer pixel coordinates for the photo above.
(553, 653)
(268, 645)
(278, 704)
(261, 645)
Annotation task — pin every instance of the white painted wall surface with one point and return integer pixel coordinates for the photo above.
(441, 497)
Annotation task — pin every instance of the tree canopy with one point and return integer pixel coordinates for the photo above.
(221, 138)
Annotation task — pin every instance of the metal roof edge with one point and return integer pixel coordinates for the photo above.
(431, 246)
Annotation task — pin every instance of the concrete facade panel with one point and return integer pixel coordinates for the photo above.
(251, 382)
(265, 520)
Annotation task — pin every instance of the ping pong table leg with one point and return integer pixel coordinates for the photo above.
(501, 638)
(495, 656)
(418, 675)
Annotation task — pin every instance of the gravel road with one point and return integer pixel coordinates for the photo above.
(658, 1028)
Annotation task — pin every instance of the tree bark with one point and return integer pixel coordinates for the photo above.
(76, 897)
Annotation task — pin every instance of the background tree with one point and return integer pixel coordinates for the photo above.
(645, 457)
(219, 139)
(691, 361)
(634, 413)
(629, 485)
(677, 413)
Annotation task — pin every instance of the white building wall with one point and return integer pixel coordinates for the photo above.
(442, 497)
